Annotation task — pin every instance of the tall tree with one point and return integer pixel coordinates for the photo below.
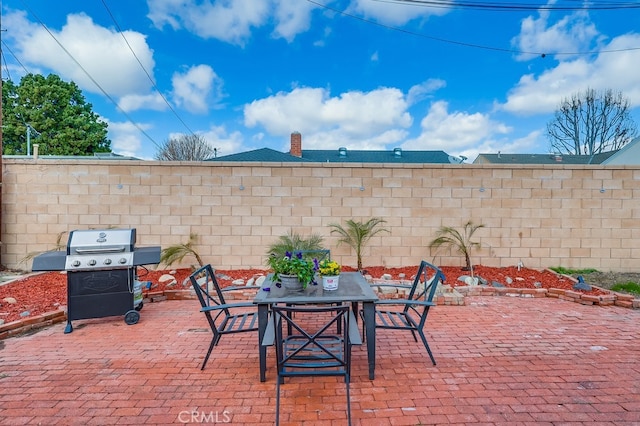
(590, 123)
(60, 119)
(185, 148)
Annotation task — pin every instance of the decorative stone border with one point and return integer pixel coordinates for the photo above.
(445, 295)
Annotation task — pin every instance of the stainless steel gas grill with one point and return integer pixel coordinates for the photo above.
(101, 267)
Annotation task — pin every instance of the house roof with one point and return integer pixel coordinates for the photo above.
(260, 155)
(500, 158)
(628, 154)
(343, 155)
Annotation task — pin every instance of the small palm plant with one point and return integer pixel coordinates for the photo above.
(357, 234)
(460, 241)
(177, 252)
(294, 243)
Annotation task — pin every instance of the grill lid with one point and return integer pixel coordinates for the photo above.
(100, 241)
(100, 249)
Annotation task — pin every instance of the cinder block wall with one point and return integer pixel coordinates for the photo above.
(574, 216)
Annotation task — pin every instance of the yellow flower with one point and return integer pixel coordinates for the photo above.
(329, 268)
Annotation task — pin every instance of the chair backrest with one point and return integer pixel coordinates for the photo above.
(206, 286)
(312, 348)
(425, 283)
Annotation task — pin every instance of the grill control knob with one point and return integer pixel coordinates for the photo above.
(76, 263)
(107, 261)
(122, 260)
(92, 262)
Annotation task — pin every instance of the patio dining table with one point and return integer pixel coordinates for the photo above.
(353, 288)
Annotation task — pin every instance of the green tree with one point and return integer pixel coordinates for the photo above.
(185, 148)
(62, 120)
(357, 234)
(590, 123)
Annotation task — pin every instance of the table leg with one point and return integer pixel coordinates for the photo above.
(263, 319)
(368, 309)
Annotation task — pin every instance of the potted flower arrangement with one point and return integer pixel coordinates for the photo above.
(330, 272)
(293, 267)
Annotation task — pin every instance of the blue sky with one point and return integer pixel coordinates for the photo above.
(363, 74)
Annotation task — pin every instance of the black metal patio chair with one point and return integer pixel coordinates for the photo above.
(312, 349)
(410, 313)
(224, 318)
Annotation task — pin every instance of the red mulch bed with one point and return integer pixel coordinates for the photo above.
(46, 292)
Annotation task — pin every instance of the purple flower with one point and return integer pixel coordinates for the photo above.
(299, 255)
(287, 254)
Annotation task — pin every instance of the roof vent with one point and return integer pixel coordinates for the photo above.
(397, 152)
(342, 151)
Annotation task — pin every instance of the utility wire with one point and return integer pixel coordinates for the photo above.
(90, 77)
(144, 69)
(461, 43)
(509, 6)
(14, 57)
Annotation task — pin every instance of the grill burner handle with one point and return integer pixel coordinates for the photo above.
(99, 250)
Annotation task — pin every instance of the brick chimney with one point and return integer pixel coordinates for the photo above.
(296, 144)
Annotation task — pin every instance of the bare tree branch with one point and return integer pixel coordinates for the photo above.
(590, 123)
(185, 148)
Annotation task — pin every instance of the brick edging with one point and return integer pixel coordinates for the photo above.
(446, 297)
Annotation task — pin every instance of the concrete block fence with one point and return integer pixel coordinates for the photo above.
(575, 216)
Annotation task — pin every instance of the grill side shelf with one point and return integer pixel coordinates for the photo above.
(146, 256)
(49, 261)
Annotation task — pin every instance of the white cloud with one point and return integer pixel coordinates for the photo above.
(356, 119)
(454, 132)
(424, 89)
(393, 13)
(101, 52)
(572, 33)
(218, 138)
(292, 17)
(126, 137)
(233, 21)
(230, 21)
(616, 70)
(195, 87)
(134, 102)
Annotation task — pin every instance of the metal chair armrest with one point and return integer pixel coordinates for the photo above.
(228, 306)
(405, 302)
(244, 287)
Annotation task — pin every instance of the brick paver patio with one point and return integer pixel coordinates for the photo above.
(501, 360)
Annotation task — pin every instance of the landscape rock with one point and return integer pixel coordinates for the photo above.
(10, 300)
(260, 280)
(168, 278)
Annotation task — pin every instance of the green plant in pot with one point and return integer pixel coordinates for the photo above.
(293, 264)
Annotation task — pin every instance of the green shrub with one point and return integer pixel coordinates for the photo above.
(629, 287)
(567, 271)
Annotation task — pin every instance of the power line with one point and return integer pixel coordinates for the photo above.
(515, 6)
(144, 69)
(90, 77)
(14, 57)
(461, 43)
